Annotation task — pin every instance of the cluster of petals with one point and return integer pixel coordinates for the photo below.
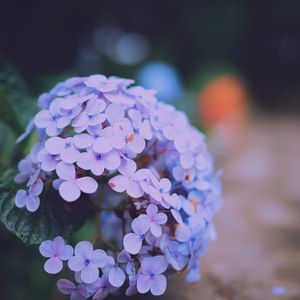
(103, 137)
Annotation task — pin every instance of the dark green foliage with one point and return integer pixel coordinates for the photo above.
(16, 106)
(54, 217)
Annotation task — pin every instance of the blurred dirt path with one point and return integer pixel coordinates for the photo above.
(258, 243)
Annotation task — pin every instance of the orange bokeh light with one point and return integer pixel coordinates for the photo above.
(223, 100)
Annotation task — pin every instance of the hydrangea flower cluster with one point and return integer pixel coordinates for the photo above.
(147, 170)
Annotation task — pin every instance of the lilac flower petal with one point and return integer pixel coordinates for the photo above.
(65, 171)
(70, 155)
(27, 131)
(48, 161)
(37, 187)
(102, 145)
(79, 293)
(69, 190)
(118, 183)
(128, 167)
(81, 128)
(53, 265)
(84, 247)
(183, 233)
(66, 253)
(186, 160)
(95, 106)
(202, 185)
(34, 176)
(137, 144)
(152, 210)
(42, 119)
(83, 140)
(112, 160)
(154, 265)
(95, 131)
(63, 251)
(158, 285)
(76, 263)
(118, 140)
(145, 130)
(95, 80)
(81, 120)
(86, 161)
(155, 229)
(99, 258)
(123, 257)
(114, 113)
(97, 168)
(63, 122)
(87, 184)
(154, 193)
(165, 184)
(56, 183)
(89, 274)
(141, 224)
(136, 117)
(132, 289)
(46, 248)
(134, 189)
(143, 284)
(97, 119)
(52, 129)
(116, 277)
(69, 103)
(132, 243)
(193, 275)
(54, 145)
(20, 198)
(65, 286)
(32, 203)
(101, 294)
(161, 218)
(141, 174)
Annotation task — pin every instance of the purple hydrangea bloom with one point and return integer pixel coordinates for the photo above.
(30, 199)
(133, 241)
(150, 276)
(48, 161)
(116, 275)
(177, 254)
(156, 219)
(103, 288)
(71, 188)
(26, 169)
(50, 119)
(87, 261)
(158, 191)
(57, 251)
(97, 162)
(129, 179)
(64, 148)
(78, 292)
(125, 258)
(139, 132)
(92, 115)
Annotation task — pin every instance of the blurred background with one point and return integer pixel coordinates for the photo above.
(233, 66)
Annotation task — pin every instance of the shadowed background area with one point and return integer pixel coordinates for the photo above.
(233, 66)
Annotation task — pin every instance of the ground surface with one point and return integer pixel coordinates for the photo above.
(258, 244)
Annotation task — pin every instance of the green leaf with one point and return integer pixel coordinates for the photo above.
(54, 217)
(16, 106)
(7, 113)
